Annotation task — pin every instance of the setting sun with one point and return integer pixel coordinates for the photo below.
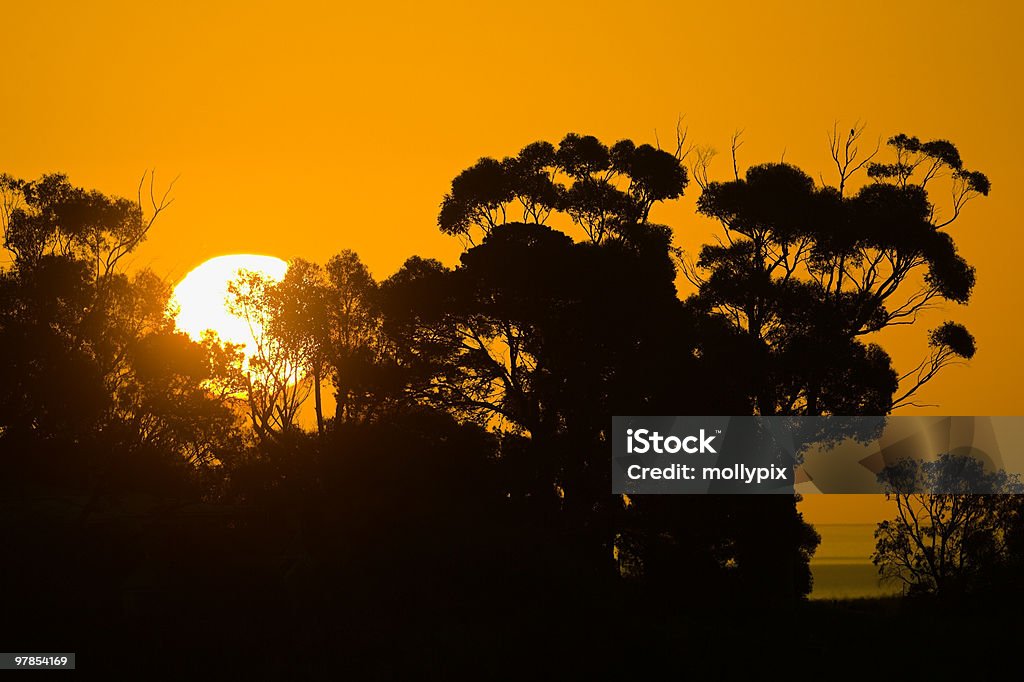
(201, 296)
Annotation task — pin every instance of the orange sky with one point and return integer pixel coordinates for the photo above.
(300, 129)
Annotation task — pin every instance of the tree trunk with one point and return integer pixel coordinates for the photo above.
(318, 402)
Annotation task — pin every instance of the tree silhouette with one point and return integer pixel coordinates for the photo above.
(545, 337)
(98, 385)
(806, 272)
(950, 534)
(277, 368)
(358, 354)
(300, 321)
(600, 188)
(459, 497)
(51, 217)
(317, 323)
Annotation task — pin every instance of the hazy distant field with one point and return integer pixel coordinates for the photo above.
(842, 565)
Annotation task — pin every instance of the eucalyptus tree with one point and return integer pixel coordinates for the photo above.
(96, 377)
(276, 368)
(599, 188)
(809, 271)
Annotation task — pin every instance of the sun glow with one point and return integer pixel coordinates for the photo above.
(201, 297)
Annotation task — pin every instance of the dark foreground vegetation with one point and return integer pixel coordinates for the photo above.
(161, 505)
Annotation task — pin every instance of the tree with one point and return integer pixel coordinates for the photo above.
(56, 230)
(276, 370)
(177, 398)
(97, 384)
(599, 188)
(494, 311)
(316, 322)
(52, 217)
(804, 273)
(470, 340)
(807, 272)
(533, 334)
(952, 531)
(301, 320)
(358, 356)
(542, 337)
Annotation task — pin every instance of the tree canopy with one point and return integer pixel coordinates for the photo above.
(469, 442)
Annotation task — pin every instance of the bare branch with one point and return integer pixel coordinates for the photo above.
(701, 165)
(845, 152)
(734, 146)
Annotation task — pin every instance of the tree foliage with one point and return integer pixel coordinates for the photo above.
(954, 525)
(478, 392)
(599, 188)
(97, 382)
(277, 369)
(809, 271)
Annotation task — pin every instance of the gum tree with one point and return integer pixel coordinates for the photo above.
(808, 271)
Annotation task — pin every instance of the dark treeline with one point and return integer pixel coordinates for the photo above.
(454, 510)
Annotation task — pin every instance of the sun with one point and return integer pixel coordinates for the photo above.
(201, 297)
